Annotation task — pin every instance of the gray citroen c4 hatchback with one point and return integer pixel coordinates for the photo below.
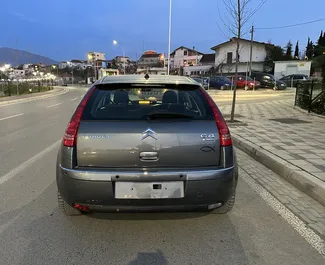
(146, 143)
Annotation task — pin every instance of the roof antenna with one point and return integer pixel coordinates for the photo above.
(146, 76)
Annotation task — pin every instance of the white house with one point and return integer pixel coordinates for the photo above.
(153, 71)
(105, 72)
(17, 74)
(80, 64)
(183, 56)
(283, 68)
(65, 64)
(225, 55)
(122, 59)
(202, 68)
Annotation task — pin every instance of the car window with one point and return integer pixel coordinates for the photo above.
(225, 79)
(129, 103)
(247, 78)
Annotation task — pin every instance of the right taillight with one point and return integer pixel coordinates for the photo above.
(70, 135)
(224, 133)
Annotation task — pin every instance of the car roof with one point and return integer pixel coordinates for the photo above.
(153, 79)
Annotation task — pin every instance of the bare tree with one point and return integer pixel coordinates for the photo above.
(239, 13)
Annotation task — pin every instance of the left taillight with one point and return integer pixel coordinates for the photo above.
(70, 134)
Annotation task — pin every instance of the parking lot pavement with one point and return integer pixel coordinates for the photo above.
(294, 138)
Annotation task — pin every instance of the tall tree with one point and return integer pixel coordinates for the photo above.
(239, 13)
(309, 50)
(320, 39)
(273, 53)
(296, 56)
(288, 54)
(320, 47)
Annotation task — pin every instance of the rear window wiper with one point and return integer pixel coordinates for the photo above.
(168, 115)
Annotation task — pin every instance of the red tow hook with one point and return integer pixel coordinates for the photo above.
(83, 208)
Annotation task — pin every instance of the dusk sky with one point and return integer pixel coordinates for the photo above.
(68, 29)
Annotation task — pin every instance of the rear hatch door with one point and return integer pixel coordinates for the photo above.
(164, 126)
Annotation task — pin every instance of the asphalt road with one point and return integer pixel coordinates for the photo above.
(34, 231)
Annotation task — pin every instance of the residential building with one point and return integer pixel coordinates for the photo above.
(153, 71)
(283, 68)
(121, 63)
(27, 66)
(105, 72)
(95, 56)
(122, 59)
(183, 56)
(17, 74)
(80, 64)
(151, 59)
(65, 64)
(225, 55)
(203, 67)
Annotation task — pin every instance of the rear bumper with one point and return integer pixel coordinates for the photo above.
(96, 189)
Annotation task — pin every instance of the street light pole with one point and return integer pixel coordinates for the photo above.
(1, 81)
(169, 33)
(115, 42)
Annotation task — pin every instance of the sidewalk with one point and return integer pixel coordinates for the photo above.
(226, 95)
(32, 96)
(285, 139)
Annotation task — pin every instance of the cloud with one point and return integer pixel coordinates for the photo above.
(23, 17)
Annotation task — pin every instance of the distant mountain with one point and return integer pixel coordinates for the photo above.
(16, 57)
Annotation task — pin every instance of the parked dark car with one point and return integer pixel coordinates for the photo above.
(169, 149)
(292, 80)
(268, 81)
(202, 80)
(220, 82)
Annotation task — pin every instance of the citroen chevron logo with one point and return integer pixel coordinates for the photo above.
(149, 133)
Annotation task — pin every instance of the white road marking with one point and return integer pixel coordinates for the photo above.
(13, 116)
(27, 163)
(73, 99)
(5, 226)
(51, 106)
(308, 234)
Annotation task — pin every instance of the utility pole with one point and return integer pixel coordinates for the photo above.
(251, 52)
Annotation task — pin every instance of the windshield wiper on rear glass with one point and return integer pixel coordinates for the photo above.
(168, 115)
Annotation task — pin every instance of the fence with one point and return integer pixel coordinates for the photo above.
(311, 96)
(20, 88)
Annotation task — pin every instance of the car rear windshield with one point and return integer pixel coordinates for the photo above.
(140, 102)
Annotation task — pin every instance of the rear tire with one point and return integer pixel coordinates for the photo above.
(227, 207)
(66, 208)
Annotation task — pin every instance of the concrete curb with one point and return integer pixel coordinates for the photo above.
(301, 179)
(308, 113)
(52, 93)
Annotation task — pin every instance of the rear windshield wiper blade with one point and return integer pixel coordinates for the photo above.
(168, 115)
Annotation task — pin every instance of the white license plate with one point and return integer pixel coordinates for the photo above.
(149, 190)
